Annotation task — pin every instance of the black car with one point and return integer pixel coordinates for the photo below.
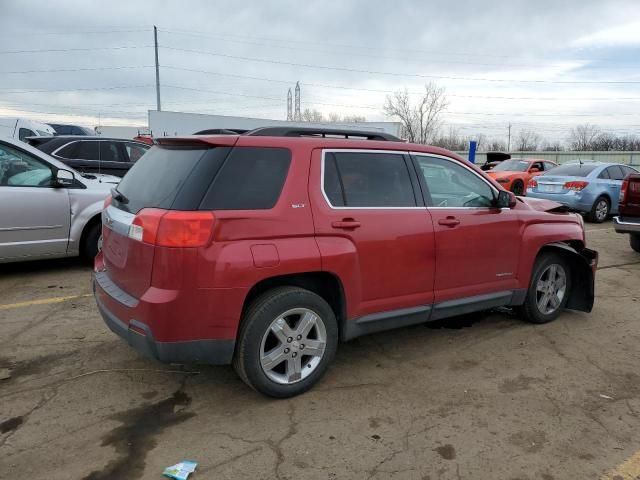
(66, 129)
(113, 156)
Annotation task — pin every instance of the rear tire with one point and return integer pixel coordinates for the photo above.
(549, 290)
(90, 238)
(287, 340)
(600, 210)
(517, 188)
(634, 241)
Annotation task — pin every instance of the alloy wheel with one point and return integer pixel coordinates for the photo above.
(602, 210)
(293, 346)
(551, 289)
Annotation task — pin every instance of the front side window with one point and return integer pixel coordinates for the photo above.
(367, 179)
(18, 169)
(451, 185)
(84, 150)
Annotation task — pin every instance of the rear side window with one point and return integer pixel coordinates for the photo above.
(250, 179)
(109, 152)
(615, 172)
(604, 174)
(367, 179)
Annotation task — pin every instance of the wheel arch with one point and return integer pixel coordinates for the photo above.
(581, 261)
(325, 284)
(96, 219)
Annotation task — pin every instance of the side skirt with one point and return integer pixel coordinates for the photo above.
(379, 322)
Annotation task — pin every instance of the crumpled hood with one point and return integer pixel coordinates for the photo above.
(543, 205)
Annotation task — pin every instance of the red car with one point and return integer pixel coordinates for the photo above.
(629, 208)
(514, 174)
(265, 249)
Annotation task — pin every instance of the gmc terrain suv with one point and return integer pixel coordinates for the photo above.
(629, 208)
(265, 249)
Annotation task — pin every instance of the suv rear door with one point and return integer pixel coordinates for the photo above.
(373, 229)
(477, 245)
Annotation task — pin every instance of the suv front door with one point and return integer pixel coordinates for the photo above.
(34, 216)
(477, 244)
(373, 229)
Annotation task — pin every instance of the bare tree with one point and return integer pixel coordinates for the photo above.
(497, 146)
(554, 146)
(312, 116)
(353, 119)
(583, 136)
(309, 115)
(420, 120)
(527, 141)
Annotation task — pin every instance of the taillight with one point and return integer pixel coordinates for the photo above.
(172, 228)
(623, 191)
(107, 201)
(533, 183)
(576, 185)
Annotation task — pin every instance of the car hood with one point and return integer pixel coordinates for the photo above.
(543, 205)
(101, 182)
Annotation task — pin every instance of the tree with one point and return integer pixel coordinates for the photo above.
(582, 137)
(312, 116)
(420, 120)
(527, 141)
(554, 146)
(316, 116)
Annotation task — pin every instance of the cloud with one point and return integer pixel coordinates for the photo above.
(617, 36)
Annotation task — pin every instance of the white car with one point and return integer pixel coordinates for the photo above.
(21, 128)
(47, 209)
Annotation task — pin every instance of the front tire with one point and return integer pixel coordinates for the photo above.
(549, 289)
(287, 340)
(600, 210)
(89, 247)
(634, 241)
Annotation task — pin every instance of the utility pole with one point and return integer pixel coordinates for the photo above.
(296, 113)
(289, 106)
(509, 140)
(155, 40)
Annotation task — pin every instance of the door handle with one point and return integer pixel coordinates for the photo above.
(346, 223)
(449, 221)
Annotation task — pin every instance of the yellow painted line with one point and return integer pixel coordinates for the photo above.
(43, 301)
(629, 470)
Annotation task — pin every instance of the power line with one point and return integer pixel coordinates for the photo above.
(398, 74)
(386, 57)
(19, 91)
(91, 32)
(88, 49)
(60, 70)
(372, 90)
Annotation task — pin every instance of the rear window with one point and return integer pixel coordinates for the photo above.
(185, 178)
(574, 170)
(250, 179)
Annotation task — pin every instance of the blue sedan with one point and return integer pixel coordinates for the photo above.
(584, 186)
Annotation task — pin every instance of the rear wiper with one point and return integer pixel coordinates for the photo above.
(116, 195)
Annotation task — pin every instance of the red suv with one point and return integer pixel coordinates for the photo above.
(629, 208)
(265, 249)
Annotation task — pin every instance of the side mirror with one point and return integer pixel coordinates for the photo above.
(64, 178)
(505, 199)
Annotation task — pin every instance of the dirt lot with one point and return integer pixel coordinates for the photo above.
(480, 397)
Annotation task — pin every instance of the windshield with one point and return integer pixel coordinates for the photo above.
(512, 166)
(574, 169)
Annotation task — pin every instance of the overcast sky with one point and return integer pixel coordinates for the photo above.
(346, 55)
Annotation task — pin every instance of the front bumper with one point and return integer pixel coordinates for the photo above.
(626, 225)
(140, 336)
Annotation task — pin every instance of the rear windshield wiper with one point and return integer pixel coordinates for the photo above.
(120, 197)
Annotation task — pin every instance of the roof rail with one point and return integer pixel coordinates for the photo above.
(221, 131)
(321, 132)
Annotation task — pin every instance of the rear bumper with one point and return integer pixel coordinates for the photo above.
(626, 225)
(140, 337)
(574, 201)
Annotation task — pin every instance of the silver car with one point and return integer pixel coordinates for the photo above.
(47, 209)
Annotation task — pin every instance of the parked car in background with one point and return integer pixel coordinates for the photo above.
(514, 174)
(21, 128)
(47, 209)
(589, 187)
(493, 159)
(65, 129)
(629, 209)
(113, 156)
(264, 249)
(148, 139)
